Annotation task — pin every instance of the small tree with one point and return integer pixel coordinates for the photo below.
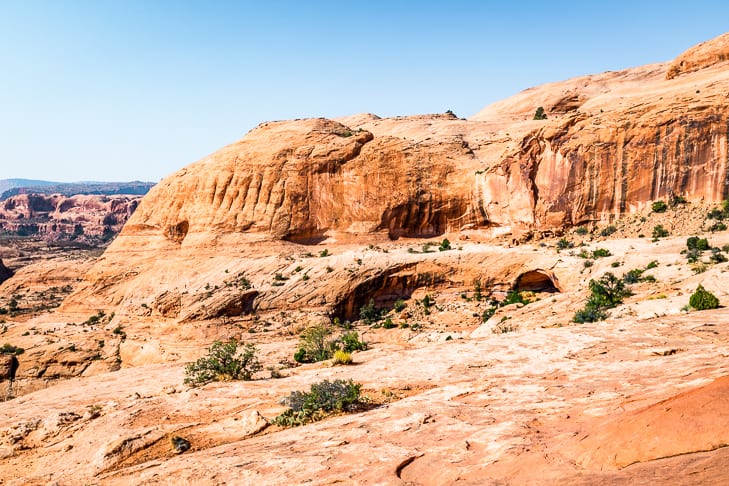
(539, 114)
(223, 363)
(315, 345)
(370, 313)
(702, 299)
(445, 245)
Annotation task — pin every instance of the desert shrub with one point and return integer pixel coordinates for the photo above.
(717, 227)
(564, 243)
(10, 349)
(702, 299)
(659, 207)
(674, 200)
(633, 276)
(504, 326)
(608, 230)
(369, 313)
(349, 342)
(696, 243)
(601, 253)
(587, 263)
(388, 324)
(717, 257)
(514, 297)
(605, 293)
(615, 264)
(539, 114)
(342, 358)
(659, 231)
(589, 314)
(427, 303)
(224, 362)
(488, 313)
(445, 245)
(323, 398)
(581, 231)
(399, 305)
(715, 214)
(652, 264)
(315, 345)
(477, 290)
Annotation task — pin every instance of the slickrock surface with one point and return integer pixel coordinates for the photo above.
(302, 222)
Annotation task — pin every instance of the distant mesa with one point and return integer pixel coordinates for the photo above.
(13, 187)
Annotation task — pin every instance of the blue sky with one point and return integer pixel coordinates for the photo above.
(126, 89)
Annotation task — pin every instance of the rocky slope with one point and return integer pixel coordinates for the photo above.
(86, 218)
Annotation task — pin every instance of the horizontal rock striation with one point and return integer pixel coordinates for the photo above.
(611, 145)
(55, 217)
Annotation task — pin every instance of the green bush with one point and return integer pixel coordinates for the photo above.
(608, 230)
(388, 324)
(399, 305)
(633, 276)
(323, 398)
(702, 299)
(659, 207)
(315, 345)
(10, 349)
(445, 245)
(514, 297)
(696, 243)
(601, 253)
(581, 231)
(589, 314)
(564, 243)
(659, 231)
(652, 264)
(350, 342)
(224, 362)
(717, 227)
(370, 313)
(539, 114)
(605, 293)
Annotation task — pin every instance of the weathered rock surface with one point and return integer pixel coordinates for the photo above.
(300, 222)
(612, 144)
(88, 218)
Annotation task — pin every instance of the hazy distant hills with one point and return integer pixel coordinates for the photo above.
(12, 187)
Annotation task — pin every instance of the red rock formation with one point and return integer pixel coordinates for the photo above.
(84, 217)
(611, 144)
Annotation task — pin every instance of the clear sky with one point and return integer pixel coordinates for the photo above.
(128, 89)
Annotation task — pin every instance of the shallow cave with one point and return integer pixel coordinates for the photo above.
(384, 289)
(537, 281)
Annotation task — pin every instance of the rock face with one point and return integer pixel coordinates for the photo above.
(5, 272)
(81, 217)
(611, 144)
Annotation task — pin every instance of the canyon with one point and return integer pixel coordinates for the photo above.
(305, 222)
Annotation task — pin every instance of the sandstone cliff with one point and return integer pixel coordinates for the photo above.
(611, 144)
(88, 218)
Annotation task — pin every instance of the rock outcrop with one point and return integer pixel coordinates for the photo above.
(88, 218)
(5, 272)
(611, 144)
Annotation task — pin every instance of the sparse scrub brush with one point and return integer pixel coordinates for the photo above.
(702, 299)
